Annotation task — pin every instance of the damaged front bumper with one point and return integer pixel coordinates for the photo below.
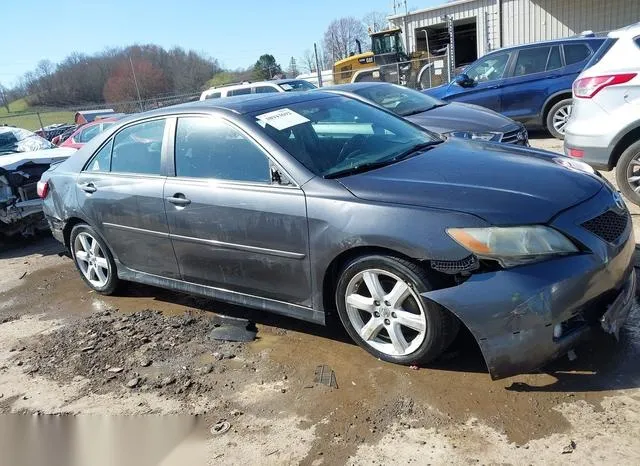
(526, 316)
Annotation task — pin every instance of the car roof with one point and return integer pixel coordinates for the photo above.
(241, 104)
(566, 40)
(353, 87)
(629, 31)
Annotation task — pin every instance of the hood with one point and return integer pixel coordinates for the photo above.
(457, 116)
(499, 183)
(439, 92)
(47, 156)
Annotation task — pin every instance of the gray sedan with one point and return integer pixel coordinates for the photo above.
(308, 203)
(450, 119)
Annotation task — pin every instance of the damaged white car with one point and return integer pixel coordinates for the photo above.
(24, 157)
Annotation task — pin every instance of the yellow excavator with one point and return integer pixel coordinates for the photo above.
(387, 61)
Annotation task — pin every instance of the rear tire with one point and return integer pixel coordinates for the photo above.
(93, 259)
(558, 117)
(627, 170)
(393, 322)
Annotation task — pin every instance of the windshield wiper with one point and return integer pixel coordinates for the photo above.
(413, 150)
(381, 163)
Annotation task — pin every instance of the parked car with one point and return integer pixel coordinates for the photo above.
(306, 203)
(60, 138)
(86, 133)
(452, 119)
(51, 131)
(604, 129)
(529, 83)
(261, 87)
(24, 156)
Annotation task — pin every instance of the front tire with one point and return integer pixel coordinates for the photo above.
(628, 173)
(558, 117)
(93, 260)
(379, 304)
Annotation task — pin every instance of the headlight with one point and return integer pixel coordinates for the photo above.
(573, 164)
(483, 136)
(513, 245)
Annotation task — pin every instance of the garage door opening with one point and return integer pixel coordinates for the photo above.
(436, 38)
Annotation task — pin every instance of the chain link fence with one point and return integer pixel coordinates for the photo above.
(43, 117)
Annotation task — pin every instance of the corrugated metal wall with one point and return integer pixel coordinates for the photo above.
(525, 21)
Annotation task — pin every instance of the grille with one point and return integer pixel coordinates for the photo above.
(608, 226)
(454, 267)
(518, 136)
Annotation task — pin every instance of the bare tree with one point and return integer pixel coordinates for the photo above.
(375, 21)
(308, 61)
(4, 98)
(340, 38)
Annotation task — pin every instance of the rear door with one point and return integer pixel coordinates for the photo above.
(120, 192)
(487, 74)
(530, 80)
(231, 226)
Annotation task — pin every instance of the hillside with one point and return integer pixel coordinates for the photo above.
(23, 116)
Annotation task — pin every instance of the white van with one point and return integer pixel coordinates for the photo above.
(262, 87)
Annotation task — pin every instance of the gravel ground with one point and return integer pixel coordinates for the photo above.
(137, 378)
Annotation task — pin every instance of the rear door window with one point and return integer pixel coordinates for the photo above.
(554, 61)
(101, 161)
(242, 91)
(531, 61)
(138, 148)
(575, 53)
(264, 89)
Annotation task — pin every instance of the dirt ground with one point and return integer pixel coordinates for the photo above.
(135, 379)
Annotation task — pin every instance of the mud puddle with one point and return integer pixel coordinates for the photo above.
(266, 391)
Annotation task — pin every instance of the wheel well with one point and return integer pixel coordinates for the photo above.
(554, 100)
(331, 275)
(628, 139)
(72, 222)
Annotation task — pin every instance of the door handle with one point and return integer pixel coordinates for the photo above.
(179, 199)
(88, 188)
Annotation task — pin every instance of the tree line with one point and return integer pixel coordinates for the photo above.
(108, 76)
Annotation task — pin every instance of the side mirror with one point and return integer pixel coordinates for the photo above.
(463, 80)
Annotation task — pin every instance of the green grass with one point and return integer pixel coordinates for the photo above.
(23, 116)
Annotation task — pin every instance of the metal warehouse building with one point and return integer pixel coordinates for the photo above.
(480, 26)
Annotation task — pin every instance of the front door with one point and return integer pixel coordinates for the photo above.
(231, 227)
(121, 193)
(486, 75)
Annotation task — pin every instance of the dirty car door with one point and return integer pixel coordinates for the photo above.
(231, 227)
(120, 193)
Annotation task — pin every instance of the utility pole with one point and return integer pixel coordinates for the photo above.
(136, 83)
(318, 69)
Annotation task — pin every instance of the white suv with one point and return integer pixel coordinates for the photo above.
(604, 129)
(262, 87)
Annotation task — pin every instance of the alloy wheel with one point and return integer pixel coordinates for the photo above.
(633, 174)
(561, 118)
(91, 260)
(386, 312)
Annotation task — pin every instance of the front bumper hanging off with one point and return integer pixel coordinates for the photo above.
(526, 316)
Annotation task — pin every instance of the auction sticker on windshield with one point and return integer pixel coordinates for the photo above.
(282, 119)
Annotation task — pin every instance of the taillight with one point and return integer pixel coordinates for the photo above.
(43, 189)
(586, 88)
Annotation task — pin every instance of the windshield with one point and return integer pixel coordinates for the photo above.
(300, 85)
(387, 43)
(333, 135)
(14, 140)
(400, 100)
(601, 52)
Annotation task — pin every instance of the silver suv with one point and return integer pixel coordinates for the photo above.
(604, 129)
